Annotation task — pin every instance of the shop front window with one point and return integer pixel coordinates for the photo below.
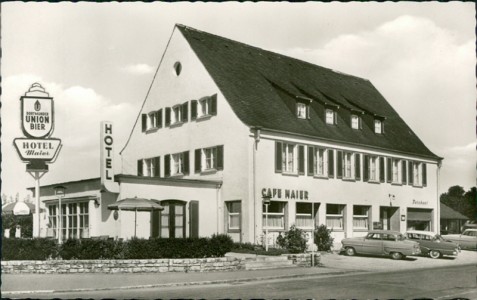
(275, 218)
(304, 215)
(74, 221)
(335, 216)
(360, 217)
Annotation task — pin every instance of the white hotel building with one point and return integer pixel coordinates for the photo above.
(225, 124)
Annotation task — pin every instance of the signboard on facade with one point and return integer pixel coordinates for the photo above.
(107, 157)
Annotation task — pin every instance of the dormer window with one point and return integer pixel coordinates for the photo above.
(301, 110)
(331, 116)
(355, 122)
(303, 107)
(378, 126)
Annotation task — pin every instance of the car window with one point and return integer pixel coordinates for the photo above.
(426, 237)
(470, 233)
(412, 236)
(374, 236)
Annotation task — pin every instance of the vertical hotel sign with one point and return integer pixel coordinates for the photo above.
(107, 157)
(37, 115)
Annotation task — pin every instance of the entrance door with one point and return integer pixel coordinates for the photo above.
(389, 217)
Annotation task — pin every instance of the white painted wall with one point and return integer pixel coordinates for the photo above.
(225, 129)
(337, 191)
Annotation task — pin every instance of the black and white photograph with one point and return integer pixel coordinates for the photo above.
(239, 150)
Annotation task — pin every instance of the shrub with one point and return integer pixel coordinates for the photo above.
(294, 240)
(220, 244)
(323, 239)
(28, 249)
(137, 248)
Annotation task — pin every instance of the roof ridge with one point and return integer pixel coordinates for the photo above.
(269, 51)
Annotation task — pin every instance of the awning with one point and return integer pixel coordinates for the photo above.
(419, 214)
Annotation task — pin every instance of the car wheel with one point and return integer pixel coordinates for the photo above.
(434, 254)
(350, 251)
(396, 255)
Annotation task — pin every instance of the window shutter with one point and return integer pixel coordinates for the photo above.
(167, 165)
(301, 160)
(311, 160)
(403, 173)
(410, 177)
(381, 169)
(168, 116)
(185, 112)
(331, 163)
(339, 164)
(278, 157)
(424, 174)
(213, 105)
(155, 221)
(220, 157)
(357, 166)
(193, 109)
(139, 167)
(389, 166)
(335, 117)
(308, 111)
(185, 171)
(194, 219)
(159, 118)
(144, 122)
(157, 166)
(366, 168)
(197, 161)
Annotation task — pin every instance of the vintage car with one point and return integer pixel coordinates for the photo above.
(433, 244)
(381, 242)
(466, 240)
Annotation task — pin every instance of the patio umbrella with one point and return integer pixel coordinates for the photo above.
(136, 204)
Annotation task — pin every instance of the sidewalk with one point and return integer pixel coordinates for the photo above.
(333, 264)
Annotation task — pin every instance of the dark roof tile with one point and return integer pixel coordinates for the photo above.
(260, 85)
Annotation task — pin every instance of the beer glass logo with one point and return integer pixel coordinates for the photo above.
(37, 105)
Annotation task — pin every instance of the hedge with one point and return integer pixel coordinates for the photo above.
(43, 249)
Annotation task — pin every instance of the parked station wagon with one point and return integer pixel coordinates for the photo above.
(433, 244)
(381, 242)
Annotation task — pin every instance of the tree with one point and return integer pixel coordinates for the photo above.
(461, 201)
(4, 199)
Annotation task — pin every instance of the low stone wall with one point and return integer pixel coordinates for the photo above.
(304, 259)
(123, 266)
(139, 265)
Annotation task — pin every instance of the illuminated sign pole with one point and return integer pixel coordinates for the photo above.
(37, 149)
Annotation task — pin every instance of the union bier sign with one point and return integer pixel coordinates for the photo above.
(37, 115)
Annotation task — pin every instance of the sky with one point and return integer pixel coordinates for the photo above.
(97, 60)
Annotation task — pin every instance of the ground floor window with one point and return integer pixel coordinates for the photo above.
(74, 221)
(419, 219)
(361, 217)
(304, 215)
(172, 222)
(275, 218)
(234, 209)
(335, 216)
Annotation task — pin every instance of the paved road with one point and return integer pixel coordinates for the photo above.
(441, 283)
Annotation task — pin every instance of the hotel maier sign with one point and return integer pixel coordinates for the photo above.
(37, 116)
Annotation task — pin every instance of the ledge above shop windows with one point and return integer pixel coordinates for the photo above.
(203, 108)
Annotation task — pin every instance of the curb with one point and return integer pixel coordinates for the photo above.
(174, 284)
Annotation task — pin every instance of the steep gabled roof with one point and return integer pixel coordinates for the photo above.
(260, 85)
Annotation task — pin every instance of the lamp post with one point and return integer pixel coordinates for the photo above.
(266, 202)
(60, 192)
